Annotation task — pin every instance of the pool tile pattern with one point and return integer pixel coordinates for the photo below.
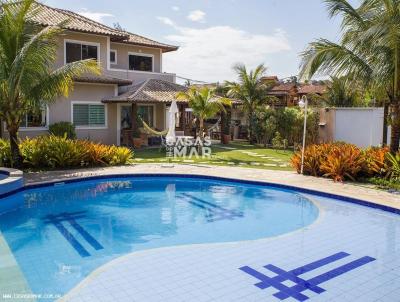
(300, 285)
(57, 221)
(209, 272)
(213, 212)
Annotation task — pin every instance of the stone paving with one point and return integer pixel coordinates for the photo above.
(363, 192)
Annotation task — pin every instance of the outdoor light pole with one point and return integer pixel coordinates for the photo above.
(304, 104)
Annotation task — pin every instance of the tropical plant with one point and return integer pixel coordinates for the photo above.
(342, 162)
(252, 91)
(204, 103)
(394, 167)
(368, 52)
(27, 75)
(341, 94)
(60, 152)
(376, 163)
(63, 129)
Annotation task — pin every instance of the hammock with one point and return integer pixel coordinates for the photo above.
(213, 126)
(149, 130)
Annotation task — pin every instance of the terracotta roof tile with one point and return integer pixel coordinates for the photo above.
(311, 88)
(48, 16)
(102, 80)
(152, 91)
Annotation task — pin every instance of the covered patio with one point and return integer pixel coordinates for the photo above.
(150, 100)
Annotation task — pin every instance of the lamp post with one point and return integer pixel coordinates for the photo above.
(304, 104)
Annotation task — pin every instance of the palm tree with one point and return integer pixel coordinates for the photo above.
(251, 90)
(27, 78)
(339, 93)
(205, 104)
(368, 52)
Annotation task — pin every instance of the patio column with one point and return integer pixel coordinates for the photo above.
(134, 117)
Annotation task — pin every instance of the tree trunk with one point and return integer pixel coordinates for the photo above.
(385, 123)
(395, 130)
(251, 128)
(201, 135)
(16, 158)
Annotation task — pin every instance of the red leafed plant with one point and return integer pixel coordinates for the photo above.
(344, 161)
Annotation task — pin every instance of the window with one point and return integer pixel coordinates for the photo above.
(89, 115)
(147, 114)
(113, 56)
(80, 51)
(35, 119)
(140, 62)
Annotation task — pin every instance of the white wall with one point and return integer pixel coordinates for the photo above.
(360, 126)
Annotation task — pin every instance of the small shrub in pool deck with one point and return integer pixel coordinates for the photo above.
(60, 152)
(341, 161)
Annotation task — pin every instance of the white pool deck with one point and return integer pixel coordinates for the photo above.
(210, 272)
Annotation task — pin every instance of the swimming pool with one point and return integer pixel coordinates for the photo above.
(59, 234)
(67, 231)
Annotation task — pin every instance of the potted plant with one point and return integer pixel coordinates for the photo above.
(137, 139)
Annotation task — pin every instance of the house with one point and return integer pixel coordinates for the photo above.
(132, 80)
(289, 93)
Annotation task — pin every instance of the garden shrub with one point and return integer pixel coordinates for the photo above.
(393, 170)
(5, 153)
(62, 129)
(341, 161)
(60, 152)
(375, 161)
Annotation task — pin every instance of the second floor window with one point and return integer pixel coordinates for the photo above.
(140, 62)
(80, 51)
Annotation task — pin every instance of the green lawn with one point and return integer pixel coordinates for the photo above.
(235, 154)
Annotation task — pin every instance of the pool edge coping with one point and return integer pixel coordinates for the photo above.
(340, 197)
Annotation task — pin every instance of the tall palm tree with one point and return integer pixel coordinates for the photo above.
(27, 75)
(251, 90)
(368, 52)
(205, 104)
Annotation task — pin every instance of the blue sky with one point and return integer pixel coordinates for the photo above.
(216, 34)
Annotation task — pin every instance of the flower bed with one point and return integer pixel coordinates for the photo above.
(60, 152)
(341, 161)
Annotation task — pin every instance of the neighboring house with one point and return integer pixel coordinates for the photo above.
(132, 76)
(289, 93)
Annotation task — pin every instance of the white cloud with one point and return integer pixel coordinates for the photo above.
(96, 16)
(175, 8)
(166, 21)
(196, 16)
(208, 54)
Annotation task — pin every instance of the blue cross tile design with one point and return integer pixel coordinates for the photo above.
(296, 291)
(57, 221)
(213, 212)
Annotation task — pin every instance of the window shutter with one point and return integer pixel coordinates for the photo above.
(97, 115)
(81, 114)
(89, 115)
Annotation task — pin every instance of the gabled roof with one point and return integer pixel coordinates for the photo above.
(312, 88)
(48, 16)
(149, 91)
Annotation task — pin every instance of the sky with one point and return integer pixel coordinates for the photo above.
(214, 35)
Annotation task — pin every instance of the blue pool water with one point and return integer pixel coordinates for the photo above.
(60, 234)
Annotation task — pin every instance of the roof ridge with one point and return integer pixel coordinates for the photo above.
(142, 85)
(81, 17)
(133, 34)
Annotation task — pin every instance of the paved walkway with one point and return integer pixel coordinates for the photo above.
(280, 177)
